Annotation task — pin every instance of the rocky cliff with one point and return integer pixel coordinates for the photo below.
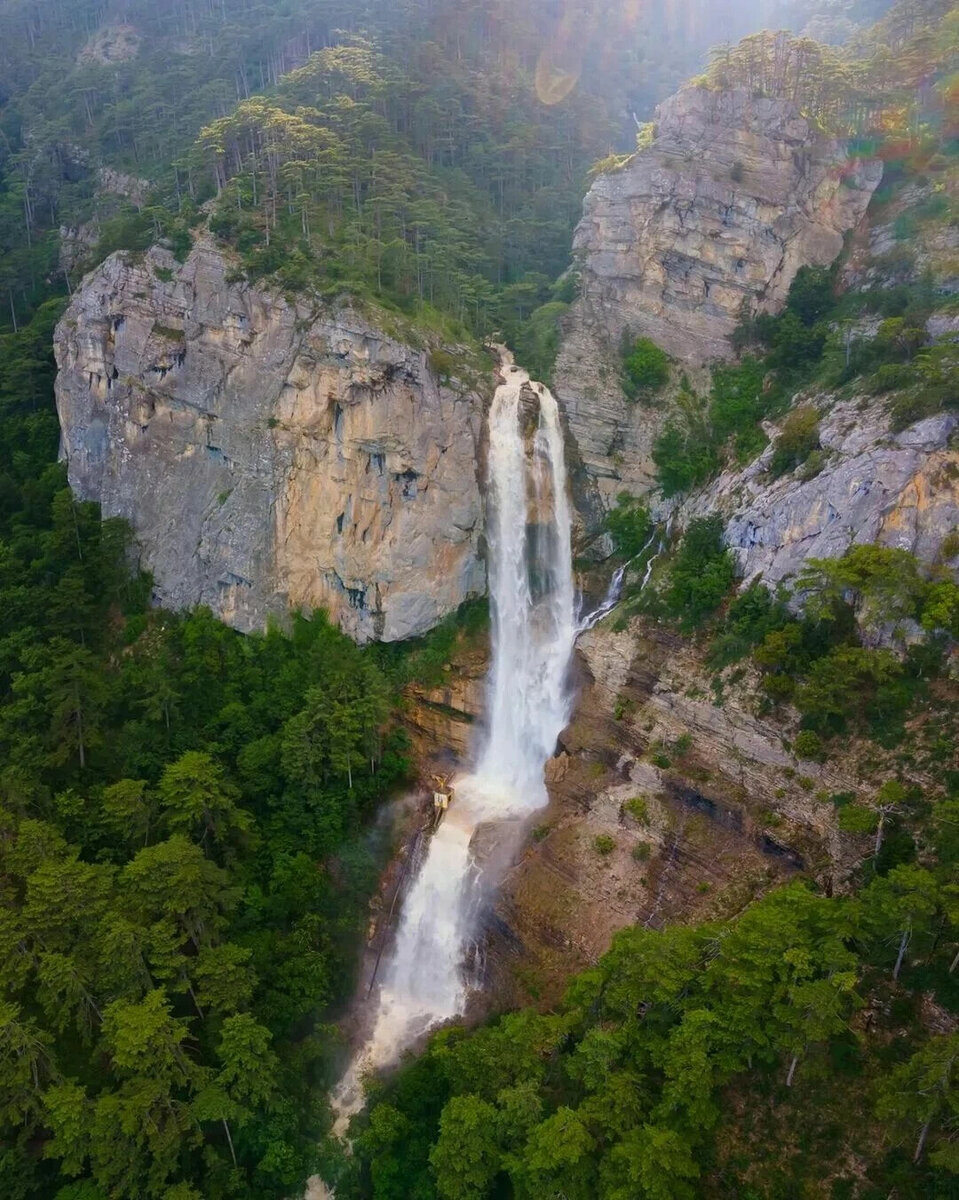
(875, 486)
(270, 454)
(734, 195)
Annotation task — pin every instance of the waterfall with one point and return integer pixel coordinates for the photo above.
(424, 981)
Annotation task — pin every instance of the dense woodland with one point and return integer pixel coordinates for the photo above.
(188, 817)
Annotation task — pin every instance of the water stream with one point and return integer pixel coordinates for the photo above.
(425, 979)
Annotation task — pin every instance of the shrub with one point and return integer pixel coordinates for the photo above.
(642, 852)
(537, 342)
(812, 294)
(702, 573)
(857, 818)
(604, 844)
(442, 364)
(738, 400)
(628, 523)
(849, 686)
(685, 455)
(645, 368)
(752, 615)
(798, 439)
(808, 745)
(638, 809)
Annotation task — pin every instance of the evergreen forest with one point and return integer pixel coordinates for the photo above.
(194, 821)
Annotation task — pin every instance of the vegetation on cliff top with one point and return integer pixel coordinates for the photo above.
(185, 845)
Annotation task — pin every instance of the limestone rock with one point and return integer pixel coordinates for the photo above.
(899, 490)
(269, 455)
(735, 194)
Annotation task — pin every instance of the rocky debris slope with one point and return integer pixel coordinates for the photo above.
(268, 454)
(894, 489)
(734, 195)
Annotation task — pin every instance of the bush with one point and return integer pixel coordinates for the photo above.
(752, 616)
(642, 852)
(738, 402)
(799, 438)
(850, 686)
(812, 294)
(638, 809)
(645, 368)
(808, 745)
(702, 573)
(685, 456)
(604, 844)
(537, 342)
(629, 525)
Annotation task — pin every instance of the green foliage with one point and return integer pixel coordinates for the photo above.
(603, 844)
(809, 745)
(883, 585)
(701, 573)
(628, 1090)
(537, 341)
(645, 368)
(751, 617)
(799, 438)
(184, 859)
(638, 809)
(629, 525)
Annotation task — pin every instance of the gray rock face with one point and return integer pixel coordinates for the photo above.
(269, 456)
(732, 198)
(899, 490)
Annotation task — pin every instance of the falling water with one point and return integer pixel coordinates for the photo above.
(425, 980)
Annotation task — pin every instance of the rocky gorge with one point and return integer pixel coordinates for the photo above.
(272, 454)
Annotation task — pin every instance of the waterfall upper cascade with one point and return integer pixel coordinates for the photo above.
(425, 980)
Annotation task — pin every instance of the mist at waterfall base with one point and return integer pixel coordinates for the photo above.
(425, 980)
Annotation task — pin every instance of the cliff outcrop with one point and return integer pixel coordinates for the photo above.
(875, 486)
(270, 454)
(717, 215)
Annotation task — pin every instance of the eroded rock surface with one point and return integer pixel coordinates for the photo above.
(270, 455)
(894, 489)
(735, 194)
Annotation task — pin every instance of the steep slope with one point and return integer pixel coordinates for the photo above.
(270, 454)
(714, 218)
(877, 485)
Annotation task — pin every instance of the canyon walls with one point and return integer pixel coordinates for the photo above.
(713, 219)
(271, 454)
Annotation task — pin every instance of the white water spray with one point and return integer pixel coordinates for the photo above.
(424, 981)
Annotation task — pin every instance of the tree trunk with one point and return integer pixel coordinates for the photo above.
(920, 1145)
(902, 953)
(792, 1070)
(955, 963)
(882, 821)
(229, 1139)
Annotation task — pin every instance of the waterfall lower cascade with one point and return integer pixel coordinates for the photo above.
(425, 980)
